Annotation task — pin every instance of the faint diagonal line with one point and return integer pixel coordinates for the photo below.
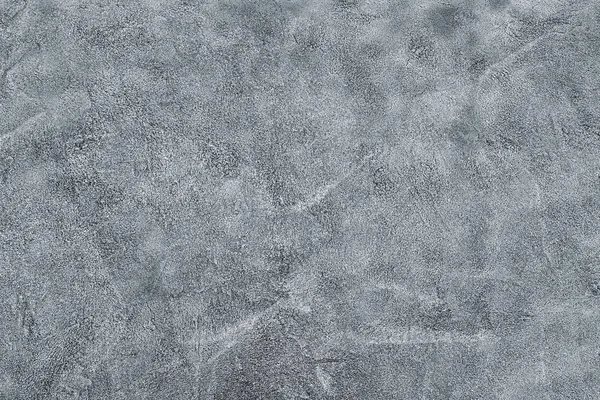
(510, 58)
(326, 190)
(26, 126)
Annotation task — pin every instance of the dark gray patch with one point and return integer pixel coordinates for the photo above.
(346, 4)
(498, 4)
(478, 65)
(445, 19)
(223, 159)
(594, 287)
(382, 183)
(421, 48)
(284, 258)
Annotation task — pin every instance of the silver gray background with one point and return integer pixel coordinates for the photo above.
(359, 199)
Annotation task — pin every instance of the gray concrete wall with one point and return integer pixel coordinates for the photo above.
(285, 199)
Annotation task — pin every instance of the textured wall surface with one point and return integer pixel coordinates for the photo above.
(299, 199)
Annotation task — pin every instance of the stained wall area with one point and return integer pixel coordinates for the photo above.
(285, 199)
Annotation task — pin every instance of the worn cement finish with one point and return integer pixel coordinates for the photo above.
(349, 199)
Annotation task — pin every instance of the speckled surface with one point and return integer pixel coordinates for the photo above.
(349, 199)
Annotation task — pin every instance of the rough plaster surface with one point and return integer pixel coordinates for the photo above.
(349, 199)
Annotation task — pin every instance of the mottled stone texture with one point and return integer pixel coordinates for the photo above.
(299, 199)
